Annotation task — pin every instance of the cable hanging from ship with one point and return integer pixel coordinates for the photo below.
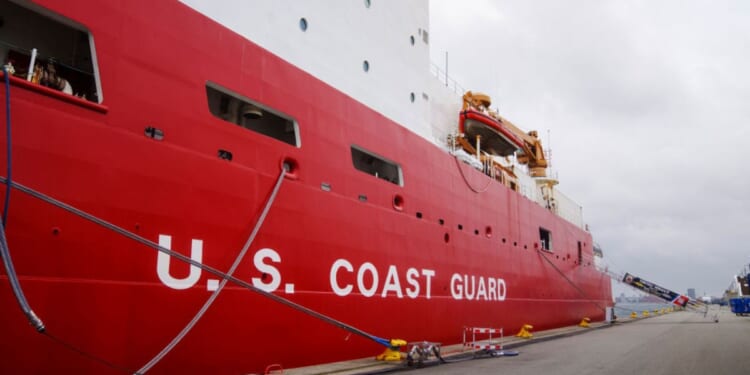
(576, 287)
(189, 326)
(37, 323)
(478, 191)
(10, 271)
(190, 261)
(4, 250)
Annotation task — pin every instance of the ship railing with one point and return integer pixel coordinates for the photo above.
(445, 79)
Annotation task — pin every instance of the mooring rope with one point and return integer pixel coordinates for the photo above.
(223, 282)
(188, 260)
(10, 270)
(576, 287)
(9, 156)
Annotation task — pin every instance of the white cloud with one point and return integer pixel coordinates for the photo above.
(647, 104)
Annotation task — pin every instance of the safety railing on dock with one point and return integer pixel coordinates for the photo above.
(482, 338)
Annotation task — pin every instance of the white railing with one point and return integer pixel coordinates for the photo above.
(449, 82)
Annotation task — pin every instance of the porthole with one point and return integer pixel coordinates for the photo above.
(488, 231)
(412, 97)
(366, 66)
(367, 3)
(303, 24)
(412, 40)
(447, 238)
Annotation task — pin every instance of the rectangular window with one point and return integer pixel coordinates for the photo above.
(47, 49)
(377, 166)
(545, 238)
(251, 115)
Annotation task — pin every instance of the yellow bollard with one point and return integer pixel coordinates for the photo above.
(633, 315)
(393, 353)
(645, 313)
(584, 322)
(525, 331)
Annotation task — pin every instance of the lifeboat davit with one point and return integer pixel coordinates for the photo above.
(495, 139)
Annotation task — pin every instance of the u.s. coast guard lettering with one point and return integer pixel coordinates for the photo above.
(345, 278)
(263, 260)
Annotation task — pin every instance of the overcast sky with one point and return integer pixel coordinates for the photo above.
(647, 103)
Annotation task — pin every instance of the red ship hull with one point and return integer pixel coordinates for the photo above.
(101, 293)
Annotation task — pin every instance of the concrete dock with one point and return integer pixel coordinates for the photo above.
(676, 343)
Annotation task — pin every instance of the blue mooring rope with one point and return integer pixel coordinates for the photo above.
(4, 250)
(7, 142)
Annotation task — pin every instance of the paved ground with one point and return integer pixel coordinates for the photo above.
(677, 343)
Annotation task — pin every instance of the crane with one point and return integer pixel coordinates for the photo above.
(531, 152)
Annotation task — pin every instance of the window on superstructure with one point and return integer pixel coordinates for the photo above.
(545, 238)
(239, 110)
(48, 49)
(377, 166)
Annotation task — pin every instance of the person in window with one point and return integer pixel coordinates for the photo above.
(52, 80)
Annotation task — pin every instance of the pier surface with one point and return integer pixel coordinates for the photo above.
(676, 343)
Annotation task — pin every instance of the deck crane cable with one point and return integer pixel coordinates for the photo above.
(541, 254)
(188, 260)
(478, 191)
(189, 326)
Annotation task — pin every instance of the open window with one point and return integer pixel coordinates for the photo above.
(251, 115)
(48, 49)
(377, 166)
(545, 238)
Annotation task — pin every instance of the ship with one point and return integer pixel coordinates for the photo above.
(304, 160)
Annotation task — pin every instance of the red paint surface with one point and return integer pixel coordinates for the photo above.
(100, 292)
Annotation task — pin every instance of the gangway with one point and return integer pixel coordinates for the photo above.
(663, 293)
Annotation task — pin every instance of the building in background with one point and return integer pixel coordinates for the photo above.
(691, 293)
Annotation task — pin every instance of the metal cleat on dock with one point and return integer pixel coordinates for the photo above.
(392, 353)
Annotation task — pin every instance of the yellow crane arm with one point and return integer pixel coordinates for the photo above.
(533, 152)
